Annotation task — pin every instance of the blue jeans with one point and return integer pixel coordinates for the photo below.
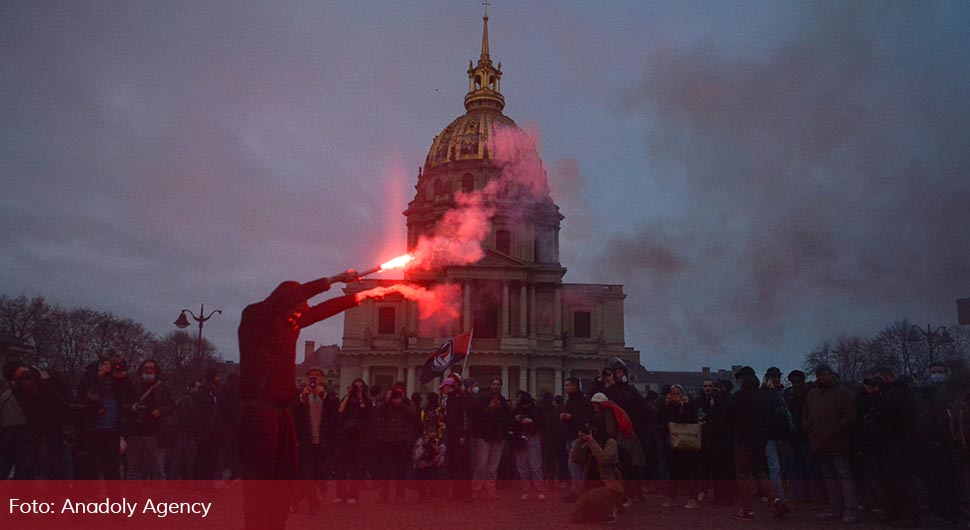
(528, 460)
(575, 471)
(775, 451)
(488, 456)
(838, 482)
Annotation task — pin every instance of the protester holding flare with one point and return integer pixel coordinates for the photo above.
(268, 334)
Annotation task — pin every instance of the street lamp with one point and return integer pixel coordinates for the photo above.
(940, 336)
(182, 322)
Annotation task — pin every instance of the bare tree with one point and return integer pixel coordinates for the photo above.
(180, 362)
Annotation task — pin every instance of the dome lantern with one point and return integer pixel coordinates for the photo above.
(484, 80)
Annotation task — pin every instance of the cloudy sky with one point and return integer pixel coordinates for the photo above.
(759, 175)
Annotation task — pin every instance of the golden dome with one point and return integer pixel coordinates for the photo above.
(472, 136)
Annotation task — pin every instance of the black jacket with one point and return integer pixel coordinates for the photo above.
(747, 415)
(581, 410)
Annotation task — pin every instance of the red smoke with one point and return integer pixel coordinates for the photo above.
(458, 235)
(439, 305)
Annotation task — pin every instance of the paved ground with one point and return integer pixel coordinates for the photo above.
(511, 513)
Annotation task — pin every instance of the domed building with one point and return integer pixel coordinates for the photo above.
(530, 328)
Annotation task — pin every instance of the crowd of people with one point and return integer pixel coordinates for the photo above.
(886, 445)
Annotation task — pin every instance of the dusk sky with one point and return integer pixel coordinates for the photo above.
(759, 175)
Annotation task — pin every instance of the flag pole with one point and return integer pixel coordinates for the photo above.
(464, 363)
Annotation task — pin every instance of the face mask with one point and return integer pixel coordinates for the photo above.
(623, 378)
(148, 378)
(937, 378)
(474, 390)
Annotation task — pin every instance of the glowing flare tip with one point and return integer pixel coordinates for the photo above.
(397, 262)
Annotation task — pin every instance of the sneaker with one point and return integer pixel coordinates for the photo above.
(524, 497)
(669, 503)
(627, 503)
(827, 514)
(338, 500)
(542, 496)
(779, 507)
(612, 518)
(744, 515)
(850, 518)
(351, 501)
(692, 504)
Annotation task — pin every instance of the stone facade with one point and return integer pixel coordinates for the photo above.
(530, 328)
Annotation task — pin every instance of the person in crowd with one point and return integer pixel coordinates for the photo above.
(208, 432)
(870, 486)
(268, 332)
(185, 427)
(598, 455)
(749, 414)
(893, 423)
(228, 410)
(490, 421)
(147, 416)
(957, 434)
(457, 405)
(40, 398)
(717, 445)
(805, 484)
(682, 465)
(354, 414)
(576, 412)
(780, 427)
(558, 458)
(15, 441)
(398, 419)
(549, 436)
(431, 416)
(527, 426)
(310, 416)
(935, 469)
(619, 391)
(829, 418)
(429, 456)
(106, 393)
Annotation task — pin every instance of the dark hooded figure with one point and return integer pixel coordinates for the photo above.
(268, 333)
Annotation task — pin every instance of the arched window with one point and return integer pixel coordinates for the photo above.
(468, 183)
(478, 82)
(503, 241)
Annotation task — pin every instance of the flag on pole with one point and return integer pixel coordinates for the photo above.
(451, 352)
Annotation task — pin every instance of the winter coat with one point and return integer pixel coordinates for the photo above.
(829, 419)
(747, 414)
(579, 407)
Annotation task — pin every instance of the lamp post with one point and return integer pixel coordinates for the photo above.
(940, 336)
(182, 322)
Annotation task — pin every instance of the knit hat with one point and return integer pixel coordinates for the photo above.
(469, 382)
(599, 397)
(447, 382)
